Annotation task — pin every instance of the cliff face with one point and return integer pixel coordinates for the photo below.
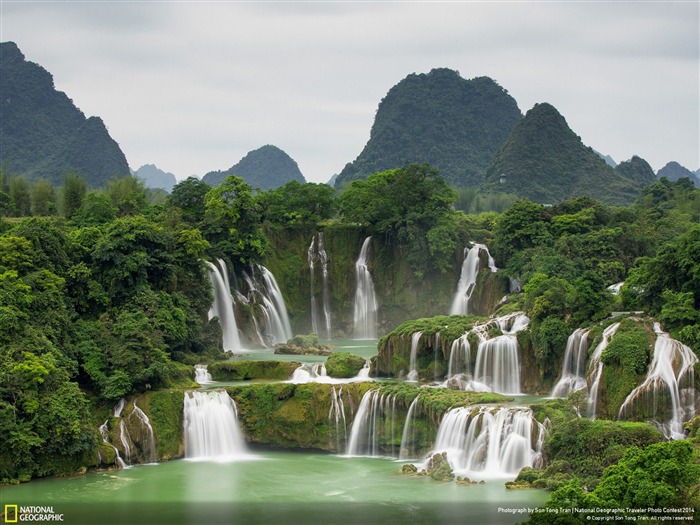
(400, 294)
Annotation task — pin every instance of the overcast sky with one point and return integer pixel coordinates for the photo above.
(193, 86)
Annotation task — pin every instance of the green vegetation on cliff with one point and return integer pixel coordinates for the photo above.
(43, 135)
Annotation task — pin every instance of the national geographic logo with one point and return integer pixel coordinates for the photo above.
(17, 514)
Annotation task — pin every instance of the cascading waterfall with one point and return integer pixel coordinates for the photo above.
(497, 364)
(149, 443)
(336, 415)
(573, 373)
(365, 310)
(595, 369)
(125, 440)
(407, 434)
(211, 427)
(460, 357)
(311, 373)
(223, 306)
(263, 286)
(317, 252)
(369, 424)
(489, 441)
(467, 278)
(413, 373)
(671, 368)
(202, 375)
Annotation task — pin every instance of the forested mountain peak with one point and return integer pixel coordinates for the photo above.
(266, 168)
(453, 124)
(43, 134)
(637, 169)
(545, 161)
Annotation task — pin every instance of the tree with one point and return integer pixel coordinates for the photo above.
(232, 221)
(20, 191)
(297, 203)
(524, 225)
(43, 198)
(188, 195)
(128, 195)
(95, 209)
(74, 190)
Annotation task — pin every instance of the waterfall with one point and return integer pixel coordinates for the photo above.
(460, 357)
(407, 435)
(149, 443)
(336, 415)
(365, 311)
(211, 427)
(467, 278)
(125, 440)
(595, 369)
(488, 441)
(672, 364)
(413, 373)
(317, 252)
(202, 375)
(497, 364)
(573, 372)
(369, 424)
(266, 294)
(223, 306)
(311, 373)
(104, 432)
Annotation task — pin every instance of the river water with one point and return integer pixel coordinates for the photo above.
(280, 488)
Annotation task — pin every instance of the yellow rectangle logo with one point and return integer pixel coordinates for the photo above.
(11, 510)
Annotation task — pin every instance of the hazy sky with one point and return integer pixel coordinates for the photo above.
(193, 86)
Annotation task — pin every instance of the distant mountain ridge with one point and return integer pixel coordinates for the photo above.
(153, 177)
(545, 161)
(674, 171)
(43, 134)
(439, 118)
(266, 168)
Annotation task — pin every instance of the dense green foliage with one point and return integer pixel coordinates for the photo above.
(544, 161)
(265, 168)
(42, 133)
(409, 206)
(439, 118)
(660, 476)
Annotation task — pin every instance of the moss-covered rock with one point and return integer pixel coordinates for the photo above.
(439, 468)
(165, 410)
(344, 365)
(246, 370)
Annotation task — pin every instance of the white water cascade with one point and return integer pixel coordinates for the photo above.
(413, 373)
(573, 372)
(497, 366)
(595, 369)
(489, 442)
(202, 375)
(407, 437)
(336, 415)
(264, 290)
(148, 441)
(365, 309)
(670, 369)
(211, 427)
(467, 279)
(370, 424)
(460, 357)
(223, 306)
(317, 253)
